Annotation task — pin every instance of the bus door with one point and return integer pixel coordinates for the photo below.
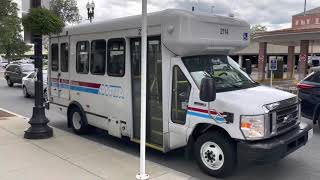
(181, 95)
(60, 67)
(64, 75)
(154, 128)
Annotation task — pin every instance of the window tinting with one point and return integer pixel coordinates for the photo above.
(98, 57)
(116, 57)
(83, 57)
(54, 57)
(64, 57)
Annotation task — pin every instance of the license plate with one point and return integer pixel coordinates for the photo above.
(310, 134)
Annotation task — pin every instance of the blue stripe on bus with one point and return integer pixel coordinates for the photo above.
(84, 89)
(76, 88)
(207, 116)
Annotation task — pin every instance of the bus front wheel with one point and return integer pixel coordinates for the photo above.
(215, 154)
(78, 121)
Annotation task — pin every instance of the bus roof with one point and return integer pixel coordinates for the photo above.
(183, 32)
(155, 18)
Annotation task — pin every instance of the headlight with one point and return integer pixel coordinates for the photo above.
(272, 106)
(252, 127)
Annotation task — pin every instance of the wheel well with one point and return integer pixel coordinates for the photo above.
(198, 131)
(204, 127)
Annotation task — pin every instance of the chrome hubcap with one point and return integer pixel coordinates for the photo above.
(212, 155)
(76, 120)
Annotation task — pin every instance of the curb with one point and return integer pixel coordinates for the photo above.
(10, 112)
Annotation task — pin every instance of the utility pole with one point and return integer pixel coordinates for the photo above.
(39, 128)
(142, 174)
(305, 7)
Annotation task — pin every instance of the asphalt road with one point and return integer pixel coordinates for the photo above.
(302, 164)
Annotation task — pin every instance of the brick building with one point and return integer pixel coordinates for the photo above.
(293, 45)
(309, 20)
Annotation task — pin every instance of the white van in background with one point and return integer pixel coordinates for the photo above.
(197, 97)
(314, 61)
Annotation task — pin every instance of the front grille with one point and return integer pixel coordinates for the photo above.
(286, 117)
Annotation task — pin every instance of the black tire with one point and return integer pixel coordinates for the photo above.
(9, 82)
(229, 155)
(25, 92)
(84, 127)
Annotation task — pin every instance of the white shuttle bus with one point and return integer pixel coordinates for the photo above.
(197, 96)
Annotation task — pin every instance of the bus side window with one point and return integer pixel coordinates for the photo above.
(116, 57)
(54, 57)
(83, 57)
(64, 57)
(98, 57)
(181, 89)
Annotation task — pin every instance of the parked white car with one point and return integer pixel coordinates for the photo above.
(28, 85)
(3, 62)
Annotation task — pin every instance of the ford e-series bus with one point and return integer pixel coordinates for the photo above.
(197, 96)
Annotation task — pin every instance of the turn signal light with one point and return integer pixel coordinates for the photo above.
(246, 125)
(305, 86)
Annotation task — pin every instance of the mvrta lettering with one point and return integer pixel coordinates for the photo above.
(111, 91)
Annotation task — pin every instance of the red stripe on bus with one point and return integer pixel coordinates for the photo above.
(203, 110)
(86, 84)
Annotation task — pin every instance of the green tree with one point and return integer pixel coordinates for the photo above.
(41, 21)
(258, 28)
(67, 10)
(11, 43)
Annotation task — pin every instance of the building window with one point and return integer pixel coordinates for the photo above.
(82, 57)
(35, 3)
(54, 57)
(116, 57)
(297, 22)
(98, 57)
(64, 57)
(317, 20)
(302, 22)
(308, 21)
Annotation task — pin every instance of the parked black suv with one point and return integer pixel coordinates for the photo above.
(15, 72)
(309, 93)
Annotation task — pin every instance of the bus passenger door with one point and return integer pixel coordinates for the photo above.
(60, 68)
(63, 76)
(181, 95)
(154, 124)
(54, 68)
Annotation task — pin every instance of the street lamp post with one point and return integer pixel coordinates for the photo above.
(39, 128)
(90, 9)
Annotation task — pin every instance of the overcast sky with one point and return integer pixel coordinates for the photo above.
(275, 14)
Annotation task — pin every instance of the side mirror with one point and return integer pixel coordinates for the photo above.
(208, 90)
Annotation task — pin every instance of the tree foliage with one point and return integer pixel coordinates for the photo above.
(258, 28)
(41, 21)
(66, 9)
(11, 43)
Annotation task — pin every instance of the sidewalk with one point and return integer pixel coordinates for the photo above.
(66, 157)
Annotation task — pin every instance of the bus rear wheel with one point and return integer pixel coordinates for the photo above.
(215, 154)
(78, 121)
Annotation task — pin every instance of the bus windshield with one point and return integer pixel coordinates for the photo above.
(224, 70)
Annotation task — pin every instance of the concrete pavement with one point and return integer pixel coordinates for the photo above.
(66, 156)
